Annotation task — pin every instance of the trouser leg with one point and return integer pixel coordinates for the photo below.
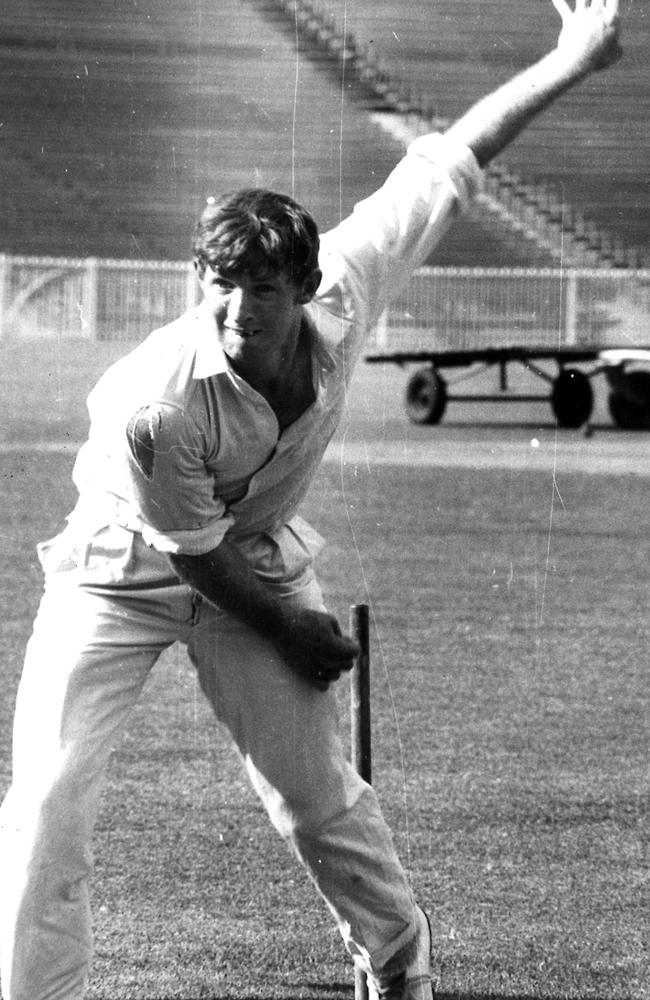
(287, 733)
(85, 667)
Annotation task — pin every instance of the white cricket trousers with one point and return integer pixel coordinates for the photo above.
(86, 663)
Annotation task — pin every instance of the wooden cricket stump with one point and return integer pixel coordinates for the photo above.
(360, 732)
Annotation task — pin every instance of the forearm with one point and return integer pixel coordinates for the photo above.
(224, 578)
(588, 41)
(309, 640)
(497, 119)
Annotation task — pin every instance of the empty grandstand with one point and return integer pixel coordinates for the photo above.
(118, 123)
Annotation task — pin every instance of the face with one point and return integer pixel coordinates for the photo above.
(257, 315)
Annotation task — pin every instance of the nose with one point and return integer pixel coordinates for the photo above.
(239, 308)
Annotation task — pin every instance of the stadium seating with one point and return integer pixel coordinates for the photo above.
(119, 123)
(540, 212)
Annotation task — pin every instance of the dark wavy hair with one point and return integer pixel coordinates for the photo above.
(254, 230)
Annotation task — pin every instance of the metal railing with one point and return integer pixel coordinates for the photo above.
(458, 308)
(92, 298)
(113, 300)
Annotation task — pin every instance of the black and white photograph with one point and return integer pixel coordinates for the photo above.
(325, 439)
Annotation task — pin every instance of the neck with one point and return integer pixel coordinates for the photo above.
(288, 388)
(269, 373)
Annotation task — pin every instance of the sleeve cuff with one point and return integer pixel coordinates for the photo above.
(194, 542)
(455, 159)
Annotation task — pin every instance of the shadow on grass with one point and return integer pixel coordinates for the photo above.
(456, 995)
(338, 991)
(338, 994)
(548, 425)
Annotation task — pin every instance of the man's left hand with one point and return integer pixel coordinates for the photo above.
(590, 34)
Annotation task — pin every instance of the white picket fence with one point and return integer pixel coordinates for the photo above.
(92, 298)
(441, 308)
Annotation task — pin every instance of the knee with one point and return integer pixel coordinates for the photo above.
(299, 817)
(300, 812)
(55, 810)
(45, 839)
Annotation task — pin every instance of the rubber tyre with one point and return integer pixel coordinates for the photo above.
(633, 413)
(572, 398)
(426, 397)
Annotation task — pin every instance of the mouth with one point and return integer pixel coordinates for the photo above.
(239, 331)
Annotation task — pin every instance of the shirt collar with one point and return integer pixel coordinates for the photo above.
(320, 351)
(209, 357)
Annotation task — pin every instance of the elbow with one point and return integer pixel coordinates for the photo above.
(182, 565)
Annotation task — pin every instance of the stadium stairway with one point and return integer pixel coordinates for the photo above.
(117, 127)
(527, 221)
(118, 124)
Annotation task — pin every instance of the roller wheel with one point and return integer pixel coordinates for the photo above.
(426, 397)
(572, 398)
(630, 406)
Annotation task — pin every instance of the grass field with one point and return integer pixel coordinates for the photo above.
(510, 726)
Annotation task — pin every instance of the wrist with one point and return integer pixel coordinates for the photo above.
(566, 65)
(282, 624)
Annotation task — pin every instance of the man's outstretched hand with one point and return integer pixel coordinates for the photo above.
(590, 33)
(314, 646)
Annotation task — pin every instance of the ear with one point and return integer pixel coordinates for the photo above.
(309, 287)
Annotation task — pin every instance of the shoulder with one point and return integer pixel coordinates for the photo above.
(164, 431)
(159, 367)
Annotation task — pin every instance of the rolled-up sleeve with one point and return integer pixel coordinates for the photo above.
(173, 487)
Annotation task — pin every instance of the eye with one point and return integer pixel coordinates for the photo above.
(264, 288)
(222, 284)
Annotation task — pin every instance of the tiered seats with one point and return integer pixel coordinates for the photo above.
(376, 42)
(119, 122)
(111, 143)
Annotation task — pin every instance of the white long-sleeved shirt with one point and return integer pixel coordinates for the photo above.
(219, 462)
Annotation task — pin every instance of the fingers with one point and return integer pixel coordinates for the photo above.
(318, 650)
(610, 7)
(323, 680)
(337, 648)
(562, 8)
(330, 669)
(589, 36)
(328, 664)
(326, 673)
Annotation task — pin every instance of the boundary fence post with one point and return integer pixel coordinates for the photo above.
(5, 264)
(91, 298)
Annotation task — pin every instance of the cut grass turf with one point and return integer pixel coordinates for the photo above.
(44, 385)
(510, 737)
